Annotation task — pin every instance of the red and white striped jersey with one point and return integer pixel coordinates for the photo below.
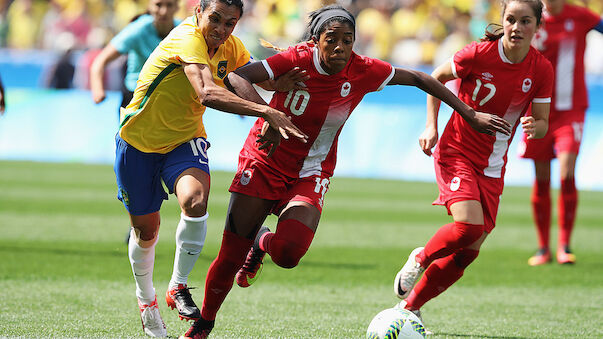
(491, 83)
(562, 40)
(319, 110)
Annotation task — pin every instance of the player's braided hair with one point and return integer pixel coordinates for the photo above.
(495, 31)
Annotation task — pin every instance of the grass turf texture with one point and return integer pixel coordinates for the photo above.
(64, 270)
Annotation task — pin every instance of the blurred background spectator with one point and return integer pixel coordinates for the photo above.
(405, 32)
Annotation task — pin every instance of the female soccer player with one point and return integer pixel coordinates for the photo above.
(162, 139)
(503, 75)
(290, 179)
(138, 39)
(562, 40)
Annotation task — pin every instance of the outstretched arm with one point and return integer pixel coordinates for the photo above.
(481, 122)
(214, 96)
(97, 69)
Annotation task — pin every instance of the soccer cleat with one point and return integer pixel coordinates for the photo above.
(409, 274)
(152, 324)
(565, 256)
(252, 267)
(402, 304)
(180, 298)
(543, 256)
(200, 329)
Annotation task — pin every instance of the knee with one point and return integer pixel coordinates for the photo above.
(287, 254)
(194, 205)
(468, 233)
(145, 233)
(464, 257)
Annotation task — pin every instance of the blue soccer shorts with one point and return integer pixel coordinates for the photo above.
(139, 174)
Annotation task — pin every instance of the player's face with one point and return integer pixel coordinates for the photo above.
(217, 22)
(519, 25)
(335, 46)
(163, 10)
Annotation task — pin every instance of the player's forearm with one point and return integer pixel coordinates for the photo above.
(96, 75)
(243, 88)
(221, 99)
(439, 92)
(541, 127)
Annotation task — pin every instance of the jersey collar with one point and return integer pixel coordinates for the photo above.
(501, 52)
(316, 60)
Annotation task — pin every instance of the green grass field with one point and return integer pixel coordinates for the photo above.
(64, 270)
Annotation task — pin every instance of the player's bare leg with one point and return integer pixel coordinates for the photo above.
(192, 191)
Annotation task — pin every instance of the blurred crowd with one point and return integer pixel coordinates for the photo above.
(404, 32)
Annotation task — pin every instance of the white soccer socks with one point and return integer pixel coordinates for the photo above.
(190, 237)
(142, 261)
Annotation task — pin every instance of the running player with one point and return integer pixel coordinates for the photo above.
(162, 139)
(562, 40)
(290, 179)
(503, 75)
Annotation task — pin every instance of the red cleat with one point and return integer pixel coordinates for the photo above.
(200, 330)
(543, 256)
(252, 267)
(565, 256)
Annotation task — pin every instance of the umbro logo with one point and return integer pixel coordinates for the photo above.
(487, 76)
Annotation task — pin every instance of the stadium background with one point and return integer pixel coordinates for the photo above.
(64, 271)
(43, 123)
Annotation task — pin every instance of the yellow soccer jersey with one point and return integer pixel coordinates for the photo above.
(165, 111)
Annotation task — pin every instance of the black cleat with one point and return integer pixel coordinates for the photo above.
(181, 299)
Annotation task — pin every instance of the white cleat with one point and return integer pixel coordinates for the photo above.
(409, 274)
(402, 304)
(152, 324)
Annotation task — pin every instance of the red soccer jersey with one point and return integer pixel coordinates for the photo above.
(490, 83)
(562, 40)
(319, 111)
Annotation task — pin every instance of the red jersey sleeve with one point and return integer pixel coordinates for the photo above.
(544, 89)
(462, 61)
(378, 74)
(281, 63)
(590, 19)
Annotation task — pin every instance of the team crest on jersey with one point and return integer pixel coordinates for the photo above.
(455, 183)
(222, 68)
(245, 177)
(569, 25)
(527, 84)
(345, 89)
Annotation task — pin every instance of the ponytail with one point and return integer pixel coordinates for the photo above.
(493, 32)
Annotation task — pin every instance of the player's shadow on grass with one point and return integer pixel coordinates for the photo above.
(456, 335)
(63, 251)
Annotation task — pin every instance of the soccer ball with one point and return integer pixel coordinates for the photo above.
(395, 323)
